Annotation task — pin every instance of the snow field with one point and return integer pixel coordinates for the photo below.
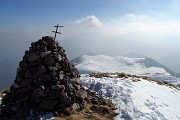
(142, 100)
(102, 63)
(136, 66)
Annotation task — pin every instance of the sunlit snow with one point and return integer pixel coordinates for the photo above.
(102, 63)
(142, 100)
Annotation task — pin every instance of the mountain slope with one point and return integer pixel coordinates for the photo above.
(138, 66)
(172, 61)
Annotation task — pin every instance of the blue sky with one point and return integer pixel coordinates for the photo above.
(112, 27)
(25, 13)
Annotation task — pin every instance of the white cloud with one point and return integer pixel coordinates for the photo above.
(131, 15)
(143, 24)
(90, 20)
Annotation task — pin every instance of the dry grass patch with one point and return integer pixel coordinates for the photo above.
(99, 75)
(4, 92)
(1, 94)
(125, 75)
(91, 112)
(104, 109)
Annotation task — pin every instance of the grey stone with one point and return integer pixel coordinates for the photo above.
(23, 66)
(51, 68)
(58, 87)
(15, 107)
(40, 70)
(43, 43)
(75, 106)
(78, 93)
(78, 81)
(22, 90)
(39, 91)
(35, 98)
(26, 82)
(53, 74)
(15, 85)
(52, 45)
(48, 39)
(53, 93)
(28, 74)
(23, 112)
(84, 95)
(64, 97)
(68, 101)
(48, 104)
(66, 78)
(61, 76)
(69, 87)
(54, 80)
(22, 98)
(43, 54)
(33, 57)
(49, 60)
(44, 77)
(77, 87)
(58, 57)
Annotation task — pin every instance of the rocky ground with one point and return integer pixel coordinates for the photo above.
(96, 109)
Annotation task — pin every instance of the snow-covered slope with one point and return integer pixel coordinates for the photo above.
(138, 66)
(102, 63)
(141, 100)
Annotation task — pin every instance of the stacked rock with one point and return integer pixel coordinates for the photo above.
(45, 82)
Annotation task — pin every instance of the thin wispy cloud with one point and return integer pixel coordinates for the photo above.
(130, 23)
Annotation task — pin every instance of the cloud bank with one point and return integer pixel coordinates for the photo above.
(144, 34)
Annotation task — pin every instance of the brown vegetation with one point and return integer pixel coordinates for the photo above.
(125, 75)
(102, 110)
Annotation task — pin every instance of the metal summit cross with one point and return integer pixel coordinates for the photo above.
(57, 26)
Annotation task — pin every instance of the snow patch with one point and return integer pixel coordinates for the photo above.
(40, 116)
(47, 116)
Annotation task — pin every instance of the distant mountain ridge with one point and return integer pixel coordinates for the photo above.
(149, 62)
(140, 66)
(134, 55)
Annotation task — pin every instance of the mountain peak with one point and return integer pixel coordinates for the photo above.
(139, 66)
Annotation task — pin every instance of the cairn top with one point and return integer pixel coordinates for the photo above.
(57, 26)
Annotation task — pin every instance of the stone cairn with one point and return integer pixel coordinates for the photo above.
(45, 82)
